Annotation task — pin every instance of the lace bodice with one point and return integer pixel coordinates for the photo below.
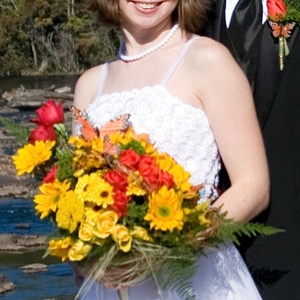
(175, 127)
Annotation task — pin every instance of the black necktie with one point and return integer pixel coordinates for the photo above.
(245, 32)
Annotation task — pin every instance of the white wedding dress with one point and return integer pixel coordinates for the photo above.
(184, 132)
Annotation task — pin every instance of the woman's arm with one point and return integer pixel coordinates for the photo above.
(227, 99)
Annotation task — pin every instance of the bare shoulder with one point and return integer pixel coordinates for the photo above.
(86, 87)
(206, 52)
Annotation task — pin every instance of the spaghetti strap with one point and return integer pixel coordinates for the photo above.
(177, 61)
(102, 79)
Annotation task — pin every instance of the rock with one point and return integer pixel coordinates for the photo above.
(34, 268)
(21, 243)
(23, 226)
(5, 284)
(34, 98)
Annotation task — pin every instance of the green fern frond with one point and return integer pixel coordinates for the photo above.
(180, 271)
(19, 132)
(232, 229)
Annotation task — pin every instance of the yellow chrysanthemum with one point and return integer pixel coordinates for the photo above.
(100, 191)
(70, 211)
(60, 248)
(95, 189)
(82, 187)
(91, 214)
(78, 142)
(51, 193)
(165, 212)
(31, 156)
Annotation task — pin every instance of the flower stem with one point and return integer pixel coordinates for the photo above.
(123, 293)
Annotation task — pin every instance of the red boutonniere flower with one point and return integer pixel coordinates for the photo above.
(281, 25)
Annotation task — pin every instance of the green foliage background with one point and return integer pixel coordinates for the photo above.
(52, 37)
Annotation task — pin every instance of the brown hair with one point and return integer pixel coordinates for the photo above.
(190, 14)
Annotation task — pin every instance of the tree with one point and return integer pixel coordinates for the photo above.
(53, 36)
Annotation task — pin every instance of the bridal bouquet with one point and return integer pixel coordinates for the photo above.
(123, 210)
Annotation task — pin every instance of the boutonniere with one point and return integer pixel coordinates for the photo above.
(283, 16)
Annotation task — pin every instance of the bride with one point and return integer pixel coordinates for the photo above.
(189, 95)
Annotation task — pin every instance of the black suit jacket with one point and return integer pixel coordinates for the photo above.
(275, 260)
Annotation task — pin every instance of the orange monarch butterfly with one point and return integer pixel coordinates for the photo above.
(89, 131)
(282, 30)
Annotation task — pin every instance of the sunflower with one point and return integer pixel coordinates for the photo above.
(51, 193)
(165, 211)
(31, 156)
(70, 211)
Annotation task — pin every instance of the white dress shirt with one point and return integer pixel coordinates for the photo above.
(231, 4)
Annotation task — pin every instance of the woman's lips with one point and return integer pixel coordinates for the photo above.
(147, 5)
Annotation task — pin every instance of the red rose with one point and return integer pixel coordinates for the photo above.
(129, 158)
(167, 179)
(50, 113)
(42, 133)
(50, 177)
(145, 162)
(120, 204)
(116, 178)
(150, 172)
(276, 9)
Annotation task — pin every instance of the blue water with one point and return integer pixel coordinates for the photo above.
(14, 212)
(55, 283)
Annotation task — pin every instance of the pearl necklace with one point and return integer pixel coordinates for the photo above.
(128, 58)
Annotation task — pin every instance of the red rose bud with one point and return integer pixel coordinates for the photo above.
(276, 9)
(50, 113)
(129, 158)
(42, 133)
(50, 177)
(116, 179)
(120, 204)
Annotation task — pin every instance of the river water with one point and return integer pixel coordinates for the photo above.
(58, 281)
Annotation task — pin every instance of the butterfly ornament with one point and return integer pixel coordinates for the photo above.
(282, 32)
(89, 131)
